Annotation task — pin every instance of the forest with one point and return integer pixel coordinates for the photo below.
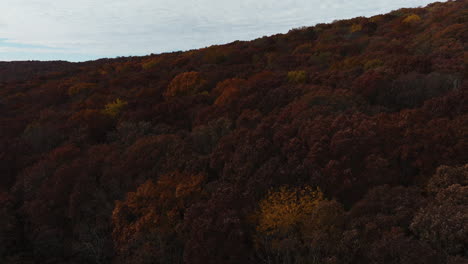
(339, 143)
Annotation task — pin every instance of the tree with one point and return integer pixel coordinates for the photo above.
(297, 225)
(227, 91)
(9, 228)
(114, 108)
(215, 231)
(445, 176)
(81, 88)
(285, 210)
(186, 83)
(412, 19)
(297, 76)
(444, 221)
(146, 225)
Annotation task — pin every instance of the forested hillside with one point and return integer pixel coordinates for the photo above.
(25, 70)
(338, 143)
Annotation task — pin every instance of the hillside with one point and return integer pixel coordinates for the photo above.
(25, 70)
(338, 143)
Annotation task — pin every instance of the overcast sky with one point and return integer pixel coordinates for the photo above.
(78, 30)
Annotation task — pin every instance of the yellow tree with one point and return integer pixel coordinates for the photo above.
(412, 19)
(293, 223)
(114, 108)
(297, 76)
(284, 211)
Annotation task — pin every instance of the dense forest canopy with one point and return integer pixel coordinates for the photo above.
(338, 143)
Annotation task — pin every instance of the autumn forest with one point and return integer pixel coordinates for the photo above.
(338, 143)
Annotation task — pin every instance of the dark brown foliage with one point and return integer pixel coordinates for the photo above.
(166, 158)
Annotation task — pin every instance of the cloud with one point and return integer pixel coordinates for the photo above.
(6, 44)
(109, 28)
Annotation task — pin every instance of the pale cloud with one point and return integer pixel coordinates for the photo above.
(29, 50)
(88, 29)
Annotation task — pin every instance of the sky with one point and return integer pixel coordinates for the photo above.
(79, 30)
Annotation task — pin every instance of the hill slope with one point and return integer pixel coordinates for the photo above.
(338, 143)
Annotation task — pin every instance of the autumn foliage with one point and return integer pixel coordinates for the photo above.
(187, 83)
(338, 143)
